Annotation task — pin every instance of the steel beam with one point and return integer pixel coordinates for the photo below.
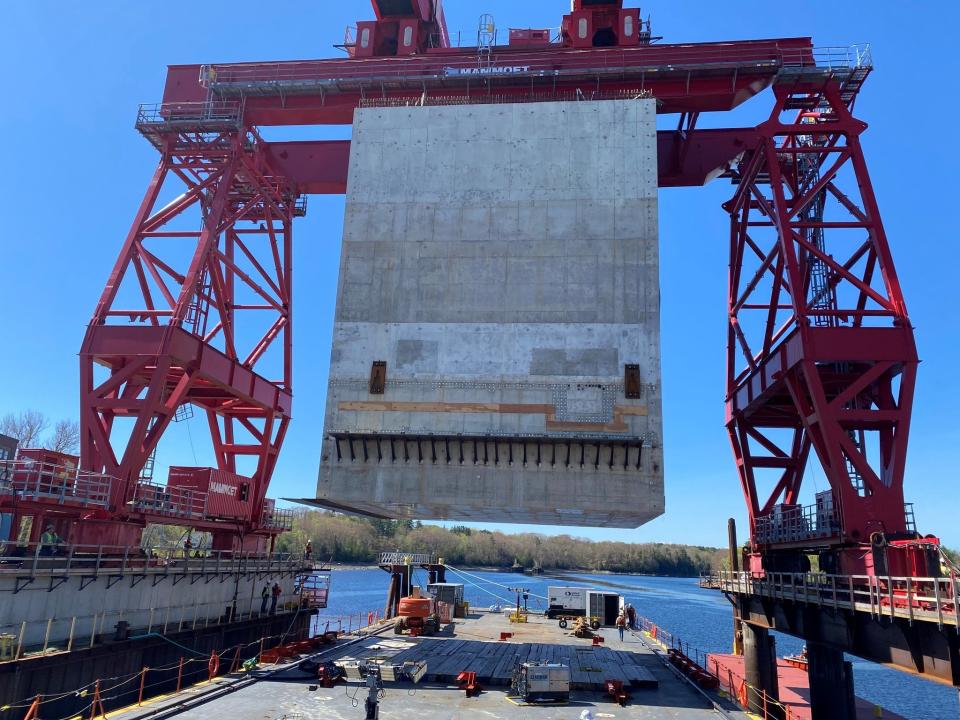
(920, 648)
(696, 77)
(684, 159)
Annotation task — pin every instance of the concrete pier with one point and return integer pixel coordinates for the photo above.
(496, 352)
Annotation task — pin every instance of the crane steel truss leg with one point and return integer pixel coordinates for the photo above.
(821, 352)
(197, 310)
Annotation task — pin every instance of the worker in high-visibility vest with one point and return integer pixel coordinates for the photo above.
(49, 541)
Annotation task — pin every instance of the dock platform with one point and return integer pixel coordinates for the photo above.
(793, 684)
(472, 644)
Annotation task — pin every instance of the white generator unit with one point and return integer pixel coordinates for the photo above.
(541, 682)
(569, 601)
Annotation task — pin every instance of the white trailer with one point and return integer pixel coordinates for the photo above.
(601, 606)
(569, 601)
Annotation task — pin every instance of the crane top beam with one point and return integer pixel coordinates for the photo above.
(698, 77)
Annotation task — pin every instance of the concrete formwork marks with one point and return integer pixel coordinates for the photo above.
(498, 258)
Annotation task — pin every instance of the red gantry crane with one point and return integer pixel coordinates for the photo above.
(197, 311)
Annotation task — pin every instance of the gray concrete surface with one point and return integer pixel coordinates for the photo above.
(503, 261)
(37, 615)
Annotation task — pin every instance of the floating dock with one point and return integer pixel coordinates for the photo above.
(794, 687)
(472, 644)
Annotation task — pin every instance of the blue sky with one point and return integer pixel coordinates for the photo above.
(75, 171)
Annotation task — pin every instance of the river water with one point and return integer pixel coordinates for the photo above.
(701, 618)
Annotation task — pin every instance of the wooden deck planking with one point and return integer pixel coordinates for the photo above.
(495, 661)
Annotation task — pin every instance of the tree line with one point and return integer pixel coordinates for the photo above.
(28, 428)
(347, 539)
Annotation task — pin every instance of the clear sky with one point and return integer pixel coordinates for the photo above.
(74, 171)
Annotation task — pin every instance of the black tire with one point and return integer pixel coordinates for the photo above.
(595, 624)
(563, 624)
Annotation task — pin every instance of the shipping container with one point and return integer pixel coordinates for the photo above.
(228, 495)
(605, 606)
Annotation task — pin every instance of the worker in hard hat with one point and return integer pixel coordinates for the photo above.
(50, 541)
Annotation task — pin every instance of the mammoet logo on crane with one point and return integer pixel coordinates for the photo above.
(493, 70)
(223, 488)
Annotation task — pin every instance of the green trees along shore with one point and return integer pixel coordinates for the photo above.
(347, 539)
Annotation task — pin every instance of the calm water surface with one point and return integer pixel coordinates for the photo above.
(701, 618)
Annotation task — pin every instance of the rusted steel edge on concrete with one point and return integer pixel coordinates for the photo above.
(218, 691)
(549, 411)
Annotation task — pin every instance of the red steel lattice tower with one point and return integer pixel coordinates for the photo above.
(197, 308)
(821, 352)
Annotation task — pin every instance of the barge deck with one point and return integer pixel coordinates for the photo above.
(472, 644)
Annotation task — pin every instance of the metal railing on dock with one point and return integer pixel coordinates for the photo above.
(30, 479)
(692, 660)
(927, 599)
(400, 558)
(29, 561)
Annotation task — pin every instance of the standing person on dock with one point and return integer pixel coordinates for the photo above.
(264, 596)
(631, 617)
(621, 625)
(275, 593)
(308, 550)
(50, 541)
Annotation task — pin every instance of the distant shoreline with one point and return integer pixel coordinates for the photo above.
(558, 574)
